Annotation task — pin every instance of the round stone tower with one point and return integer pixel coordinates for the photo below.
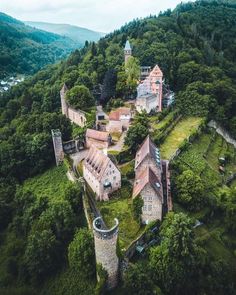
(105, 249)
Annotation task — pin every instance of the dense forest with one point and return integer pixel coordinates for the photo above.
(25, 50)
(195, 45)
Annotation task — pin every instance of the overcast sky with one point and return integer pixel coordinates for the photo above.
(99, 15)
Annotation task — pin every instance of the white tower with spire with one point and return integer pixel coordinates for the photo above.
(127, 51)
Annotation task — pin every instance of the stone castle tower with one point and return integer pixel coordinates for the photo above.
(64, 105)
(57, 144)
(127, 51)
(105, 249)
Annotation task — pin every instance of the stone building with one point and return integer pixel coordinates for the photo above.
(152, 182)
(57, 145)
(101, 174)
(119, 120)
(100, 139)
(127, 51)
(105, 241)
(76, 116)
(149, 92)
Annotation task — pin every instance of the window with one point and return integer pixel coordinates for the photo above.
(145, 208)
(114, 177)
(149, 207)
(149, 198)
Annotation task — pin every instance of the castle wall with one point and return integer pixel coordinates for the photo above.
(77, 117)
(58, 147)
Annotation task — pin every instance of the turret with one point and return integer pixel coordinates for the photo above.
(127, 51)
(105, 249)
(57, 145)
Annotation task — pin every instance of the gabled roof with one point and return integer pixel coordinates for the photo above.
(127, 45)
(156, 71)
(115, 115)
(97, 135)
(147, 176)
(96, 162)
(147, 148)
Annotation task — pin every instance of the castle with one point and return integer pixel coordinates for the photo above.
(149, 90)
(76, 116)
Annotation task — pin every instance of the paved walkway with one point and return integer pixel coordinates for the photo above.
(119, 145)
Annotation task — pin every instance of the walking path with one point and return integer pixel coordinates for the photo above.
(221, 131)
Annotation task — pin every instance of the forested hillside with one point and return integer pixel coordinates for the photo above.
(25, 50)
(78, 34)
(195, 46)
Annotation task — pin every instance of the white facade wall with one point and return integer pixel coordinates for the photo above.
(152, 208)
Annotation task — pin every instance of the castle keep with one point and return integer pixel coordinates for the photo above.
(105, 250)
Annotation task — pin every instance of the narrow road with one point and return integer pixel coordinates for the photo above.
(120, 143)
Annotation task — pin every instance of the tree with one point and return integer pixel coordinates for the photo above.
(137, 208)
(40, 257)
(137, 280)
(109, 86)
(190, 190)
(80, 97)
(132, 69)
(135, 136)
(73, 194)
(175, 261)
(81, 254)
(60, 218)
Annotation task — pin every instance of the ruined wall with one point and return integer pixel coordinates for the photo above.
(76, 116)
(57, 145)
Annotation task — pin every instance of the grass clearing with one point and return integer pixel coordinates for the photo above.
(120, 206)
(181, 131)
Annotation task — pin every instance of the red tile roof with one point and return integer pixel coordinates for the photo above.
(147, 177)
(96, 162)
(97, 135)
(115, 115)
(147, 148)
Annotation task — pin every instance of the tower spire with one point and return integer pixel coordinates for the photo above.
(127, 51)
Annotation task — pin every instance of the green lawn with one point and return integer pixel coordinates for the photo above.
(181, 131)
(157, 124)
(51, 183)
(120, 207)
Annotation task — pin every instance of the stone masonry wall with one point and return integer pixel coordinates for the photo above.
(105, 250)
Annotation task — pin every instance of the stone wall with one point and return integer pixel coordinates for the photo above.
(57, 145)
(221, 131)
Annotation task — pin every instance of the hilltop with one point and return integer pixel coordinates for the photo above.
(77, 34)
(42, 215)
(25, 50)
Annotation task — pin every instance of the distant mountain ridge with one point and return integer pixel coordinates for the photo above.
(77, 34)
(25, 50)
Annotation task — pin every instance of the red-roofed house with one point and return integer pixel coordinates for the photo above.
(101, 174)
(152, 182)
(119, 120)
(100, 139)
